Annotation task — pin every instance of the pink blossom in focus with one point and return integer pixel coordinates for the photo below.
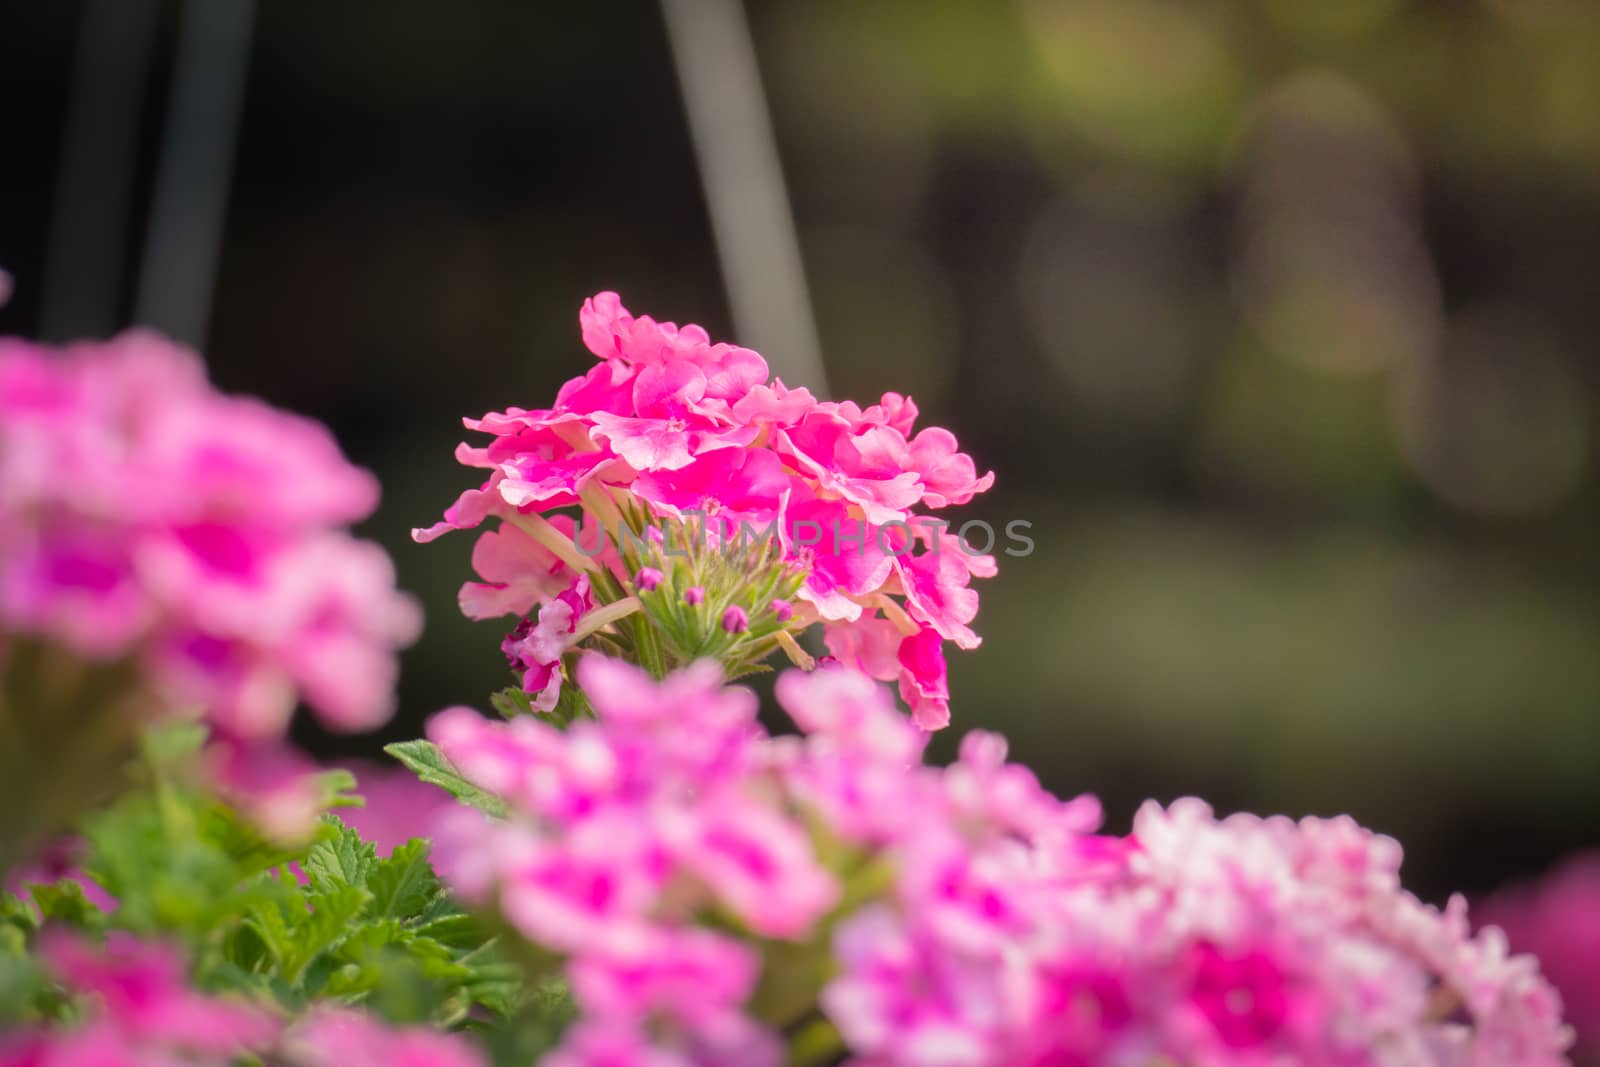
(923, 684)
(535, 647)
(674, 423)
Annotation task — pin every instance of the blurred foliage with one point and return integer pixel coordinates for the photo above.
(288, 926)
(324, 920)
(1278, 318)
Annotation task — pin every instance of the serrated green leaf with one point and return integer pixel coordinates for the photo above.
(328, 923)
(342, 860)
(403, 884)
(425, 760)
(457, 930)
(271, 926)
(352, 928)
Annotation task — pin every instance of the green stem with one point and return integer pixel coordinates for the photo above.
(815, 1041)
(600, 618)
(541, 530)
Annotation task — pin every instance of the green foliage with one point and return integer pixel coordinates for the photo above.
(511, 702)
(326, 920)
(425, 760)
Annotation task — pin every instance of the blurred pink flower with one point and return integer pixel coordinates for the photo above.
(146, 516)
(624, 829)
(331, 1037)
(140, 1011)
(397, 808)
(57, 861)
(1557, 919)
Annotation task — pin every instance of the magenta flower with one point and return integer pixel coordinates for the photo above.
(139, 1010)
(147, 520)
(534, 648)
(670, 427)
(518, 574)
(1243, 997)
(343, 1038)
(923, 684)
(625, 831)
(986, 921)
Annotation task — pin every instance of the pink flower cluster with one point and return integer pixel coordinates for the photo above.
(627, 829)
(666, 849)
(670, 421)
(139, 1011)
(142, 1012)
(333, 1037)
(1557, 919)
(1209, 943)
(145, 515)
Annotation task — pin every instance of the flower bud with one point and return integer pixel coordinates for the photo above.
(735, 620)
(647, 579)
(694, 596)
(782, 609)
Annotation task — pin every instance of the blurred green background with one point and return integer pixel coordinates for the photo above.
(1277, 318)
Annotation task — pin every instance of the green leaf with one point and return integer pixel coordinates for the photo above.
(336, 789)
(328, 923)
(65, 902)
(425, 760)
(351, 928)
(171, 743)
(271, 926)
(458, 930)
(344, 860)
(17, 921)
(511, 702)
(403, 884)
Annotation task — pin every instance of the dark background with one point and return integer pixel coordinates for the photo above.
(1277, 318)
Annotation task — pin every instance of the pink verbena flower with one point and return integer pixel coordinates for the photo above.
(1015, 936)
(626, 831)
(535, 647)
(670, 426)
(659, 847)
(147, 519)
(139, 1010)
(331, 1037)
